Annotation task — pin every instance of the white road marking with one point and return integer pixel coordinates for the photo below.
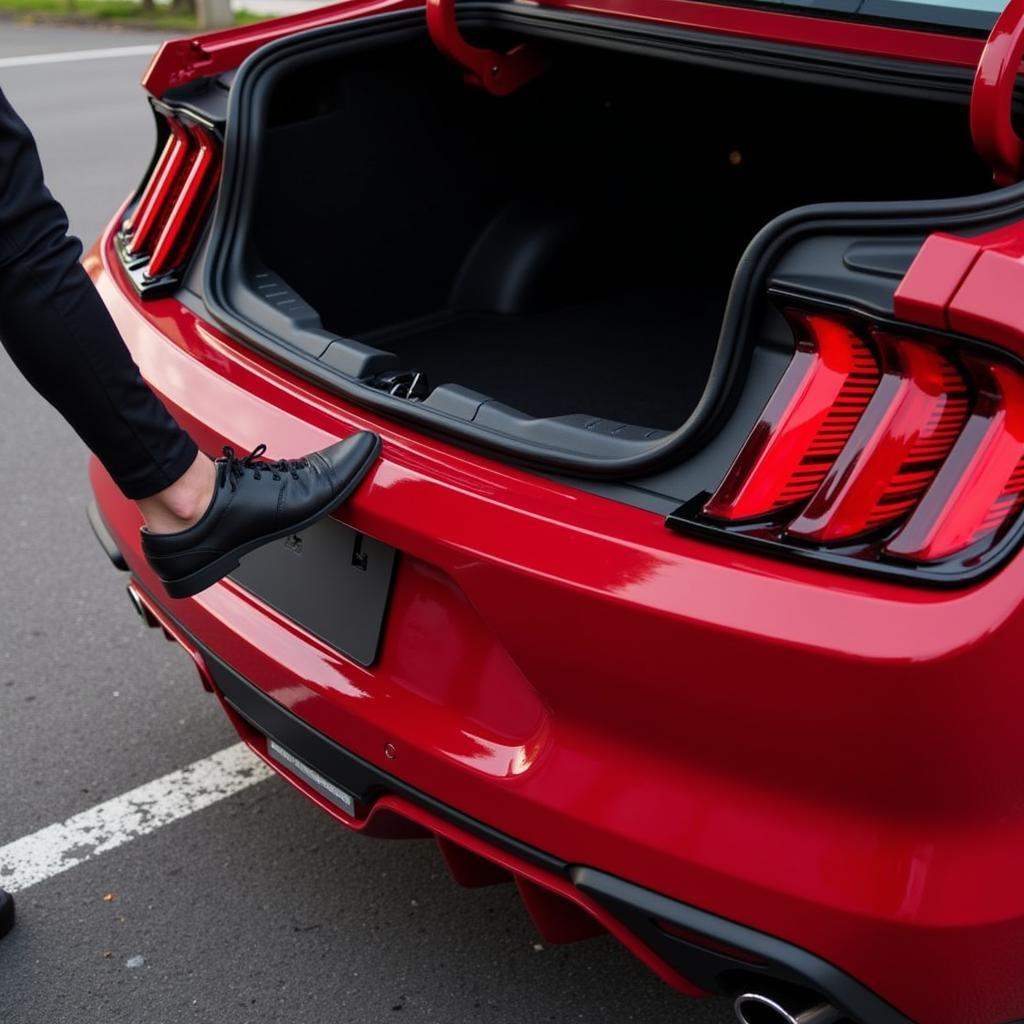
(64, 57)
(106, 826)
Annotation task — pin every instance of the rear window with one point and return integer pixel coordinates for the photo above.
(970, 15)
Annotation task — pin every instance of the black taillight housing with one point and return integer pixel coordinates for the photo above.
(160, 230)
(885, 448)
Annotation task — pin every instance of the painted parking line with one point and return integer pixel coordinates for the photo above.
(140, 811)
(30, 59)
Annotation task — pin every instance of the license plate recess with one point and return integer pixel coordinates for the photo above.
(330, 579)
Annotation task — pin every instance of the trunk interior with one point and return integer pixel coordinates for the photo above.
(568, 249)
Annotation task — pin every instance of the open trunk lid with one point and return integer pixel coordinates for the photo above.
(585, 251)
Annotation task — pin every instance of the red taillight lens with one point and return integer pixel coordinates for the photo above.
(981, 484)
(188, 210)
(879, 448)
(806, 423)
(163, 186)
(906, 432)
(159, 235)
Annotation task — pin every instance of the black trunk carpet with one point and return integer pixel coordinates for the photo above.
(639, 359)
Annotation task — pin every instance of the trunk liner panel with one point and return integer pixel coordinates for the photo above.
(641, 357)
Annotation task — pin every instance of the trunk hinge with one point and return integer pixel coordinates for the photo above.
(498, 73)
(995, 138)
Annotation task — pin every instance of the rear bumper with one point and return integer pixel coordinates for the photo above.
(554, 891)
(832, 762)
(690, 948)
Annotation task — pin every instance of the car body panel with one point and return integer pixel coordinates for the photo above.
(832, 760)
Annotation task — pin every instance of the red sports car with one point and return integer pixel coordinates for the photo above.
(687, 593)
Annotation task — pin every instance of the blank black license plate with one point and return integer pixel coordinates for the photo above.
(329, 579)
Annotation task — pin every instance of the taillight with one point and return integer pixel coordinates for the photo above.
(981, 485)
(806, 423)
(881, 448)
(894, 453)
(158, 236)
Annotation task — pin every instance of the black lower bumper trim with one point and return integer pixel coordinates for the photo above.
(107, 542)
(758, 955)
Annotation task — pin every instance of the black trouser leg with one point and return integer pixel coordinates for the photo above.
(59, 334)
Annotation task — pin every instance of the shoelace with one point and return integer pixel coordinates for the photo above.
(236, 467)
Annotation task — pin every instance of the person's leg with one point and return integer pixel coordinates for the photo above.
(59, 334)
(183, 503)
(200, 517)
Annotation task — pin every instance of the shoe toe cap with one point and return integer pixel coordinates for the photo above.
(349, 459)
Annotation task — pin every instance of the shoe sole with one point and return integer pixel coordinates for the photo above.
(189, 586)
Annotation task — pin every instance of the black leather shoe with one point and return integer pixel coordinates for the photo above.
(256, 502)
(6, 912)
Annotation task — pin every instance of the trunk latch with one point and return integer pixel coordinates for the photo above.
(995, 138)
(410, 384)
(498, 73)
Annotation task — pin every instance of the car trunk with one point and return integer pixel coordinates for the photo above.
(568, 249)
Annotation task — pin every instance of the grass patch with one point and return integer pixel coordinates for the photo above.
(109, 12)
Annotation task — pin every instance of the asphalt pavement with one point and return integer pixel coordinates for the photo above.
(259, 907)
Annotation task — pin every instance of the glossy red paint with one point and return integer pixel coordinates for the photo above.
(498, 73)
(995, 137)
(559, 910)
(938, 270)
(180, 61)
(832, 760)
(987, 305)
(969, 285)
(183, 60)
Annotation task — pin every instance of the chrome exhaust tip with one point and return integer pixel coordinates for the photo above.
(755, 1008)
(140, 608)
